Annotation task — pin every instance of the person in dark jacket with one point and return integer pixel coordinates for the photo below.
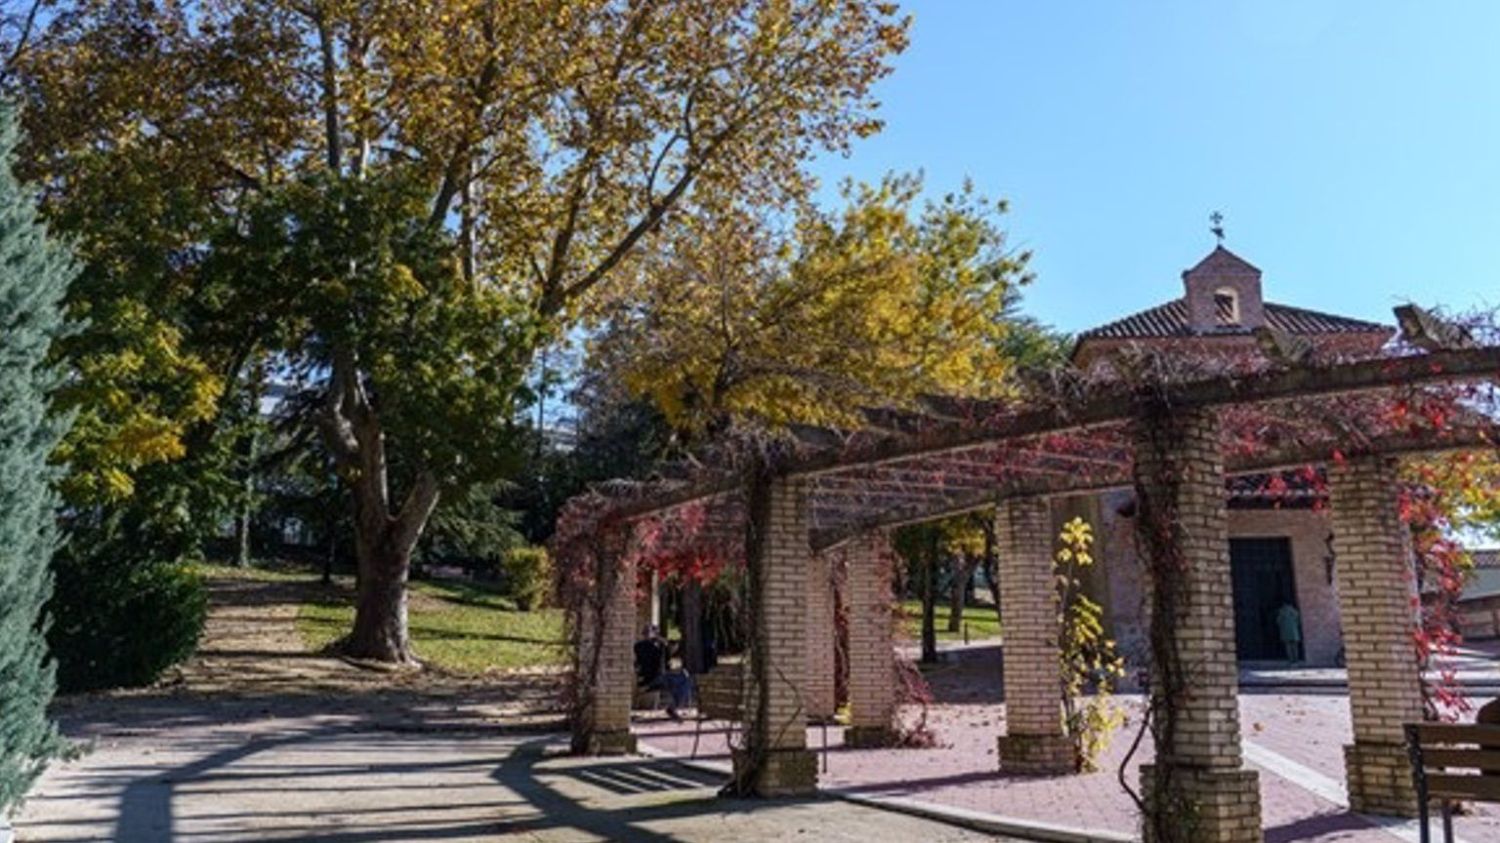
(653, 671)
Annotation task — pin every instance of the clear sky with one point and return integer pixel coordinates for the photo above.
(1353, 147)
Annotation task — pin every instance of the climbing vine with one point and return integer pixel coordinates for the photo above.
(1167, 811)
(1089, 660)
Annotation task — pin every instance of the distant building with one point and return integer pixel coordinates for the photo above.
(1280, 550)
(1479, 606)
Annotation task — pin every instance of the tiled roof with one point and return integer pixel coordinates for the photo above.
(1171, 320)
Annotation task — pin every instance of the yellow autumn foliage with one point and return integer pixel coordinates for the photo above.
(743, 315)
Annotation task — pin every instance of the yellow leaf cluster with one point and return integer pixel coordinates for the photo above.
(741, 315)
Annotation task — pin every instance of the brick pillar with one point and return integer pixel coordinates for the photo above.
(1178, 467)
(872, 657)
(1034, 741)
(822, 638)
(1376, 592)
(781, 555)
(603, 726)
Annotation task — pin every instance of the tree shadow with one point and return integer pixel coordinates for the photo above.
(1316, 827)
(523, 774)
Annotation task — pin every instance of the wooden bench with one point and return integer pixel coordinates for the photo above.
(720, 697)
(1453, 762)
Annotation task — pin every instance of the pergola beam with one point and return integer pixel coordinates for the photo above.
(1471, 438)
(1103, 414)
(1118, 404)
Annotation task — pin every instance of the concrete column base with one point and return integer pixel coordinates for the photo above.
(1037, 755)
(1380, 779)
(787, 772)
(869, 737)
(1223, 806)
(619, 742)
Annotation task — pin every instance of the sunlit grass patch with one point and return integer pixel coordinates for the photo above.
(980, 619)
(455, 626)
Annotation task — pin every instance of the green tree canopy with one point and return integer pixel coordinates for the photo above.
(410, 173)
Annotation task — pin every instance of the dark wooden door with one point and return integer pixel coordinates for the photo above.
(1263, 583)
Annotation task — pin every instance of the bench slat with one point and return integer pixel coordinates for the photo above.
(1487, 760)
(719, 693)
(1458, 733)
(1448, 786)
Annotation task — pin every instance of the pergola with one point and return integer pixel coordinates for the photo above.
(1173, 431)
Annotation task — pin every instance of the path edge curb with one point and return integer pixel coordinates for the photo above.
(961, 817)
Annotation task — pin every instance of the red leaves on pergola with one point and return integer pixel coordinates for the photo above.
(1066, 432)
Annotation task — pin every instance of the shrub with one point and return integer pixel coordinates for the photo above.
(120, 623)
(34, 274)
(528, 576)
(1088, 656)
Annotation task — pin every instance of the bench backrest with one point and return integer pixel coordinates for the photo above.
(1455, 761)
(720, 692)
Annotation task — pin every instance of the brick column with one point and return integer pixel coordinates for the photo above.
(872, 657)
(1372, 558)
(1179, 470)
(781, 554)
(822, 638)
(1034, 741)
(604, 723)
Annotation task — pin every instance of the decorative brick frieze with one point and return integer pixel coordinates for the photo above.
(1034, 741)
(1372, 558)
(872, 661)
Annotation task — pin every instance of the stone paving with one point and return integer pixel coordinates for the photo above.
(1295, 739)
(224, 772)
(257, 739)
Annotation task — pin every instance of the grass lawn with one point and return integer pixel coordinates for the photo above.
(981, 620)
(456, 626)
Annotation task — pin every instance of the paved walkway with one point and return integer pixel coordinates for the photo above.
(1475, 665)
(341, 779)
(258, 739)
(1295, 740)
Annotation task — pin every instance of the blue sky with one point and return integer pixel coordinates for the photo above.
(1353, 147)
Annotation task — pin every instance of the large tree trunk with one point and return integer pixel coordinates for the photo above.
(380, 629)
(992, 569)
(383, 539)
(384, 546)
(963, 574)
(692, 627)
(929, 603)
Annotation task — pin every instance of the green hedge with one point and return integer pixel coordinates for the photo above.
(121, 624)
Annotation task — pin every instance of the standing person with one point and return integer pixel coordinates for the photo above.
(1289, 624)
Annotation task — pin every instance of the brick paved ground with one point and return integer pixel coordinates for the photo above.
(1290, 731)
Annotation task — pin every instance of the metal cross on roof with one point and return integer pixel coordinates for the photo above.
(1218, 226)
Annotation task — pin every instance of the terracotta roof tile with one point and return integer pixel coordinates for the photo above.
(1171, 320)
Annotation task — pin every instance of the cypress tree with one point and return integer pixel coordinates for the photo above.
(35, 271)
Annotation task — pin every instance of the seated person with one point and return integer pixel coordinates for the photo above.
(653, 671)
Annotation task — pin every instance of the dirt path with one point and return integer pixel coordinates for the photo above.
(250, 645)
(251, 659)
